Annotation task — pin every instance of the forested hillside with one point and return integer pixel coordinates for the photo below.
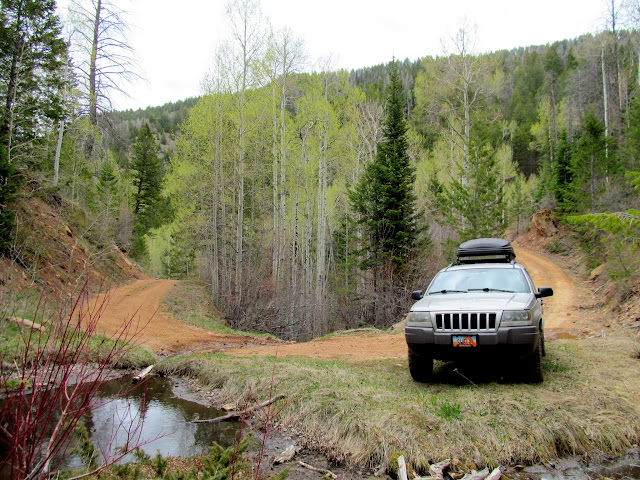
(272, 186)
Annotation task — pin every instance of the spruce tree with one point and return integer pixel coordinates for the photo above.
(32, 54)
(475, 207)
(383, 199)
(8, 187)
(148, 175)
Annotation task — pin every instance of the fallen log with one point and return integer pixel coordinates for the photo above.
(142, 374)
(355, 330)
(25, 322)
(287, 455)
(239, 413)
(481, 475)
(437, 471)
(402, 468)
(495, 475)
(323, 471)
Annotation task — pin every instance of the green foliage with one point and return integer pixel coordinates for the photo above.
(283, 475)
(445, 409)
(147, 178)
(85, 446)
(159, 464)
(32, 56)
(563, 187)
(9, 183)
(149, 208)
(474, 206)
(625, 225)
(383, 198)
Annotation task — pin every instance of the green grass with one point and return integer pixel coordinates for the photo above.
(189, 303)
(361, 413)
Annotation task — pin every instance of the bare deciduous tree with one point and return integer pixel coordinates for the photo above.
(104, 57)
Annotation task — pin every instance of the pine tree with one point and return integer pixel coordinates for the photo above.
(591, 158)
(32, 54)
(148, 175)
(383, 198)
(476, 207)
(8, 186)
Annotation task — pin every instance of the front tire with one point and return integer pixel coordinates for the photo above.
(420, 365)
(533, 364)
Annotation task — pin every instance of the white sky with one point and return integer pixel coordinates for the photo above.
(175, 40)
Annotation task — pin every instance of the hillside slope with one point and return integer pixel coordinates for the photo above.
(54, 254)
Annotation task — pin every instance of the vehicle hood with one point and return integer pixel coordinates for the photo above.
(481, 301)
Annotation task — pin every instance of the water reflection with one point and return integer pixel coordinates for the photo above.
(166, 419)
(166, 422)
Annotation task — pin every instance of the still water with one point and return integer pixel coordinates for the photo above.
(166, 421)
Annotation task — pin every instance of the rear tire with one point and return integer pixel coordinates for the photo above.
(420, 365)
(533, 364)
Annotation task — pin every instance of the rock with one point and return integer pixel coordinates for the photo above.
(597, 272)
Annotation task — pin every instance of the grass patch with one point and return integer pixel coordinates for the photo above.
(360, 414)
(445, 409)
(189, 302)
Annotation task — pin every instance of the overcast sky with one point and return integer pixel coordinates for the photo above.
(175, 40)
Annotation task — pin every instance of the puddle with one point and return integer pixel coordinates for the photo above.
(555, 334)
(167, 423)
(626, 467)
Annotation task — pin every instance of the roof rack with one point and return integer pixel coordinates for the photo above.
(486, 250)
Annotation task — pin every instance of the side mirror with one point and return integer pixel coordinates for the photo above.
(544, 292)
(417, 295)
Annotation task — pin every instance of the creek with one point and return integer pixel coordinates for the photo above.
(166, 426)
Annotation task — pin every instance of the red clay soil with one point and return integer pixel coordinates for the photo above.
(140, 305)
(141, 301)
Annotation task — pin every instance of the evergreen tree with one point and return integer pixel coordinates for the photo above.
(476, 207)
(563, 174)
(591, 159)
(32, 54)
(384, 198)
(148, 175)
(8, 187)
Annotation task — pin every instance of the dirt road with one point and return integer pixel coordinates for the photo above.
(140, 303)
(164, 334)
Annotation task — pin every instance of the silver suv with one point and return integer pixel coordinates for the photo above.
(484, 304)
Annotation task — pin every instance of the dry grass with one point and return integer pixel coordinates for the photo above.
(361, 414)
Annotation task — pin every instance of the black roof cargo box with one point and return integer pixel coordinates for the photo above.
(486, 250)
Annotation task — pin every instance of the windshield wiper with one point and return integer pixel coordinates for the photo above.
(448, 291)
(487, 289)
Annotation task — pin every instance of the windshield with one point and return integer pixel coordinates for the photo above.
(480, 279)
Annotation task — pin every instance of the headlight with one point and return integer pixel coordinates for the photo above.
(516, 318)
(419, 317)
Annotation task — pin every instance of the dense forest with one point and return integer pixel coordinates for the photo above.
(313, 201)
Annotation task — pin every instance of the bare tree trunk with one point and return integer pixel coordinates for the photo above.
(56, 162)
(605, 96)
(93, 71)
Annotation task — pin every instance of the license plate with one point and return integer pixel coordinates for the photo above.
(465, 341)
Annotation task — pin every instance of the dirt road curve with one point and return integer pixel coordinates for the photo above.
(559, 314)
(164, 334)
(140, 302)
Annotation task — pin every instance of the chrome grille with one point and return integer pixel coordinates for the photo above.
(466, 321)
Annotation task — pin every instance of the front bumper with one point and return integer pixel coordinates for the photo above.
(507, 341)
